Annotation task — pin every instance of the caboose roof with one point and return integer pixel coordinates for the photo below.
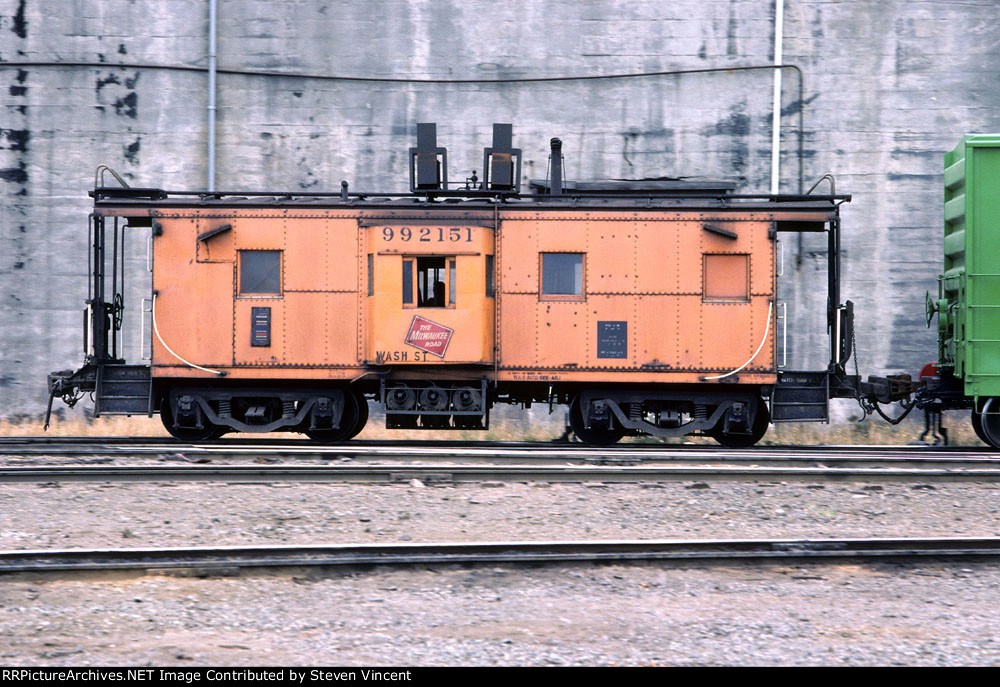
(635, 196)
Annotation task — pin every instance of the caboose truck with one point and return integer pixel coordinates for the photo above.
(648, 307)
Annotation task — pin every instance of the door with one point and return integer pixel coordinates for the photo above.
(430, 291)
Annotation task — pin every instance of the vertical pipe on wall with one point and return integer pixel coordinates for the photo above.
(211, 93)
(779, 19)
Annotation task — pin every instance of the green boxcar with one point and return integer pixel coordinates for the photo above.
(969, 291)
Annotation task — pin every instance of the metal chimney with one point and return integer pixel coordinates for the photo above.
(555, 189)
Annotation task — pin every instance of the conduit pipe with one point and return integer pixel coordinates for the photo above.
(212, 13)
(779, 20)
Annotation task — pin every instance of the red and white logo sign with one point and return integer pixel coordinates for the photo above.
(429, 336)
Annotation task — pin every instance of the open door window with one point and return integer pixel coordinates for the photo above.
(429, 282)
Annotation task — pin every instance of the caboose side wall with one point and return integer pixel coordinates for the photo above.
(646, 269)
(308, 323)
(644, 314)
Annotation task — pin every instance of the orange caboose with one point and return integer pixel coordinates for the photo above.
(647, 307)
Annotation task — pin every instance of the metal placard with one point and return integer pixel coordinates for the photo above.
(429, 336)
(612, 339)
(260, 327)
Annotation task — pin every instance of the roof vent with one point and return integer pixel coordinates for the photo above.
(501, 162)
(428, 162)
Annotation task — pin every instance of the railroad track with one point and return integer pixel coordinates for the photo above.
(235, 558)
(91, 449)
(13, 444)
(432, 473)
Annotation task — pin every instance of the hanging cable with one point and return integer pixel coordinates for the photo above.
(892, 421)
(384, 79)
(389, 79)
(156, 331)
(865, 411)
(767, 329)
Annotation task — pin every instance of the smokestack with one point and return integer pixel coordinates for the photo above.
(556, 187)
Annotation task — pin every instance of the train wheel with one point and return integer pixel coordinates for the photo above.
(600, 436)
(760, 422)
(977, 426)
(209, 431)
(351, 422)
(987, 423)
(362, 419)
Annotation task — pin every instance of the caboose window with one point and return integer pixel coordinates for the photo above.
(452, 281)
(489, 276)
(429, 282)
(260, 272)
(562, 274)
(408, 282)
(371, 274)
(432, 282)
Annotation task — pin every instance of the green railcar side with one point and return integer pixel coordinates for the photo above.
(969, 288)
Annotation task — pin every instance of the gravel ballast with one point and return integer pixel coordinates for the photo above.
(927, 613)
(195, 514)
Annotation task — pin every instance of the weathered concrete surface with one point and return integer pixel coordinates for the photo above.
(889, 86)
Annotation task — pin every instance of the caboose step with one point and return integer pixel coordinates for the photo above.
(123, 390)
(801, 397)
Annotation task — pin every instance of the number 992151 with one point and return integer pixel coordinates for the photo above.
(427, 234)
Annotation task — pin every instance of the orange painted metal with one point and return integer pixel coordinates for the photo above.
(726, 278)
(203, 318)
(195, 323)
(646, 271)
(333, 319)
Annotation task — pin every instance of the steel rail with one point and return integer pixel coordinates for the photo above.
(8, 443)
(13, 445)
(452, 474)
(267, 440)
(485, 453)
(445, 460)
(630, 551)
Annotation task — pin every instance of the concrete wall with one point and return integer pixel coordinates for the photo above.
(889, 86)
